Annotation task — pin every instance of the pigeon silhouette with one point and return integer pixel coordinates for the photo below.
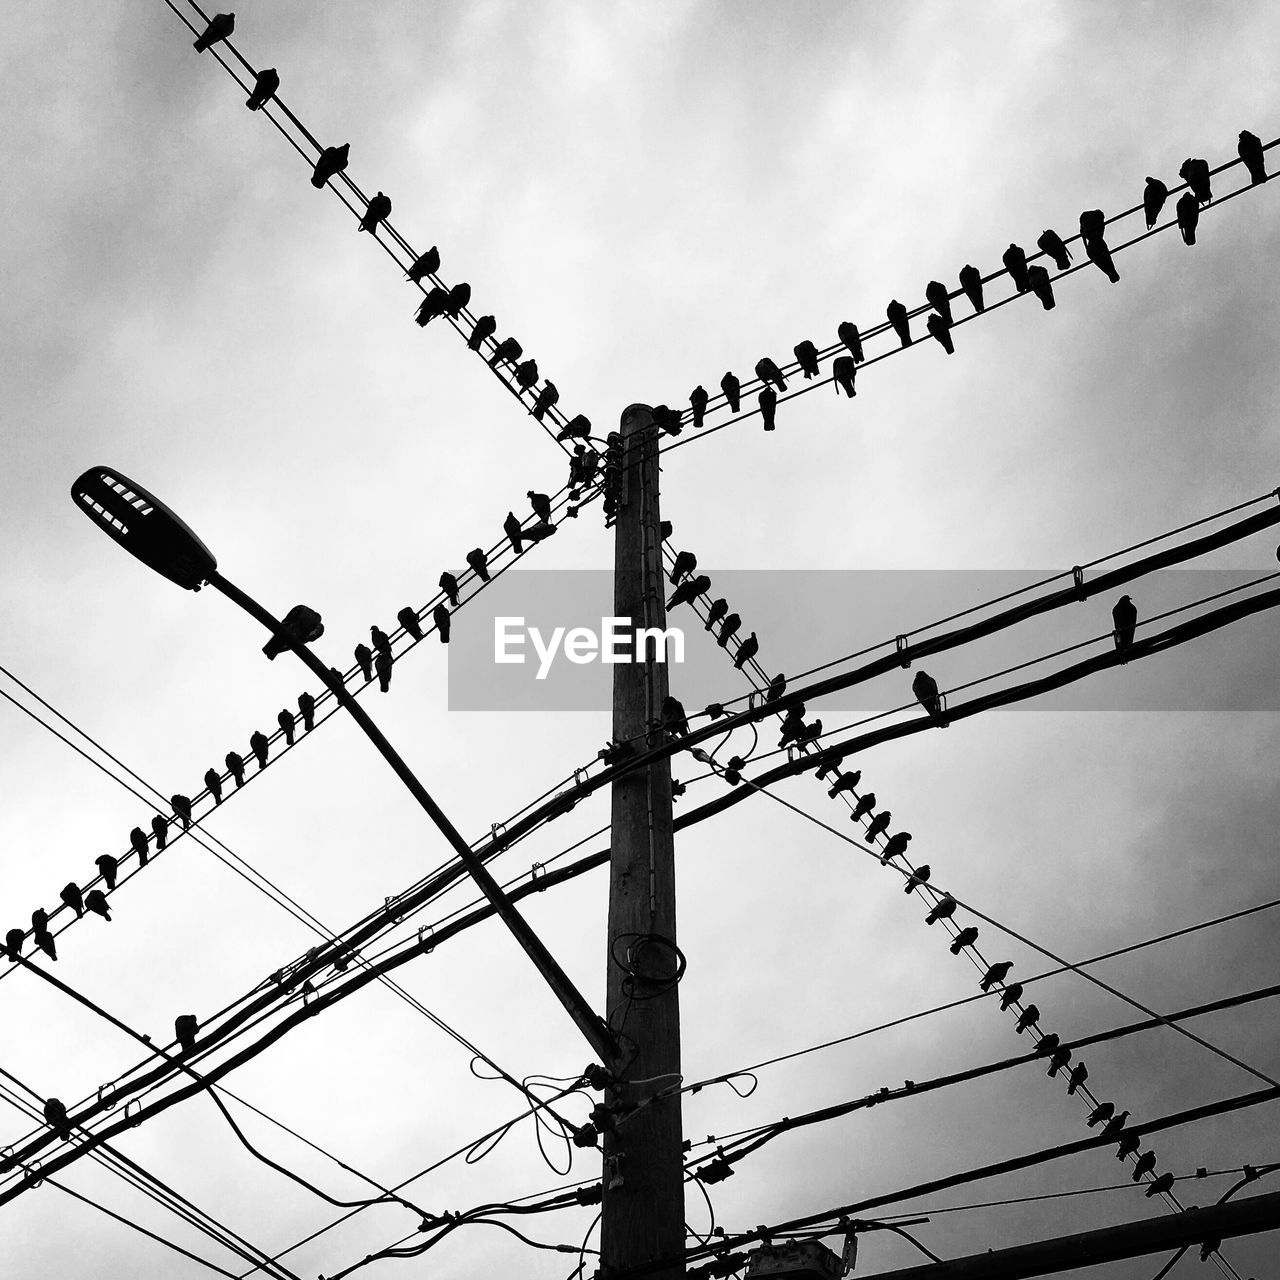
(685, 562)
(939, 299)
(843, 371)
(408, 619)
(220, 27)
(1100, 255)
(527, 374)
(971, 283)
(1047, 1045)
(809, 733)
(918, 877)
(777, 687)
(213, 780)
(698, 403)
(845, 782)
(807, 355)
(1188, 216)
(55, 1112)
(44, 940)
(1041, 285)
(108, 869)
(900, 320)
(1011, 995)
(160, 827)
(768, 400)
(1124, 616)
(1195, 173)
(483, 328)
(426, 264)
(746, 651)
(689, 590)
(96, 901)
(1160, 1185)
(287, 724)
(767, 372)
(849, 335)
(1057, 1060)
(443, 619)
(1015, 263)
(508, 351)
(577, 428)
(511, 527)
(540, 503)
(792, 724)
(998, 972)
(70, 894)
(479, 562)
(732, 389)
(301, 624)
(382, 665)
(182, 807)
(1079, 1074)
(731, 625)
(1102, 1112)
(1052, 243)
(364, 660)
(673, 717)
(925, 688)
(307, 705)
(264, 88)
(1154, 194)
(13, 941)
(258, 744)
(895, 846)
(138, 842)
(717, 611)
(458, 300)
(944, 907)
(878, 825)
(1251, 152)
(866, 803)
(332, 161)
(1145, 1164)
(449, 585)
(1028, 1018)
(965, 938)
(185, 1026)
(377, 210)
(939, 328)
(667, 419)
(433, 305)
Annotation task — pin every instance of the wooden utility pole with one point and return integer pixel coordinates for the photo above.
(642, 1215)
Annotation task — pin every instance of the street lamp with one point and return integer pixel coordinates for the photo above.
(149, 530)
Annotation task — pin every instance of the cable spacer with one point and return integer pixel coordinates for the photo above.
(1077, 580)
(537, 874)
(424, 932)
(903, 649)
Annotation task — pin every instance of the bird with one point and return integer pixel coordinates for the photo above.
(425, 264)
(13, 941)
(1052, 244)
(1127, 1146)
(1093, 225)
(895, 846)
(767, 371)
(1079, 1074)
(1015, 262)
(449, 585)
(527, 374)
(108, 868)
(479, 562)
(459, 297)
(287, 724)
(1114, 1124)
(689, 590)
(944, 907)
(540, 503)
(508, 351)
(849, 335)
(1125, 618)
(878, 825)
(382, 664)
(1160, 1185)
(511, 527)
(1103, 1111)
(1100, 255)
(307, 705)
(746, 651)
(441, 616)
(941, 330)
(1195, 173)
(900, 320)
(998, 972)
(264, 88)
(96, 901)
(1028, 1018)
(70, 894)
(408, 619)
(300, 625)
(1145, 1164)
(1188, 216)
(843, 370)
(807, 355)
(235, 763)
(792, 723)
(865, 805)
(364, 660)
(667, 419)
(684, 563)
(213, 781)
(777, 687)
(845, 782)
(377, 210)
(965, 938)
(185, 1026)
(768, 401)
(728, 628)
(433, 305)
(918, 877)
(925, 688)
(138, 842)
(732, 389)
(939, 299)
(828, 762)
(1011, 995)
(809, 732)
(717, 611)
(1057, 1060)
(698, 403)
(220, 27)
(160, 827)
(43, 939)
(258, 744)
(1048, 1045)
(1250, 150)
(971, 283)
(1154, 194)
(577, 428)
(182, 807)
(482, 329)
(332, 161)
(673, 716)
(1041, 285)
(55, 1114)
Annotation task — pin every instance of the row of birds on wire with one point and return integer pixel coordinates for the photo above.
(1027, 275)
(373, 661)
(691, 587)
(506, 357)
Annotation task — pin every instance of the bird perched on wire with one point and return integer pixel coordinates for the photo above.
(1041, 285)
(1058, 1059)
(264, 88)
(1028, 1018)
(412, 624)
(364, 660)
(792, 724)
(848, 333)
(925, 688)
(182, 807)
(479, 562)
(381, 641)
(449, 585)
(213, 780)
(287, 723)
(55, 1112)
(777, 687)
(508, 351)
(1015, 263)
(382, 664)
(965, 938)
(939, 298)
(878, 825)
(1011, 995)
(220, 27)
(96, 901)
(1250, 150)
(673, 716)
(1114, 1125)
(1160, 1186)
(942, 909)
(843, 372)
(577, 428)
(1195, 173)
(483, 328)
(807, 355)
(732, 389)
(940, 330)
(689, 590)
(70, 894)
(540, 503)
(307, 705)
(1154, 194)
(746, 651)
(377, 210)
(458, 300)
(40, 934)
(332, 161)
(971, 283)
(895, 846)
(865, 805)
(511, 527)
(527, 374)
(1124, 616)
(717, 611)
(433, 305)
(844, 782)
(444, 620)
(1079, 1074)
(185, 1026)
(1100, 255)
(767, 371)
(698, 403)
(13, 941)
(768, 401)
(546, 398)
(667, 419)
(684, 563)
(730, 626)
(1146, 1163)
(235, 766)
(160, 829)
(425, 264)
(998, 972)
(901, 321)
(138, 842)
(1188, 216)
(258, 744)
(108, 869)
(1051, 242)
(809, 733)
(301, 625)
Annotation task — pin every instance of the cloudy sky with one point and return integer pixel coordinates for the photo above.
(646, 195)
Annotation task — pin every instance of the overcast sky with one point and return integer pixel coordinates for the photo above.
(645, 195)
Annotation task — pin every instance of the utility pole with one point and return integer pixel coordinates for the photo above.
(642, 1214)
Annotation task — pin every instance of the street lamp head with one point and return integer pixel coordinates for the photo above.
(144, 526)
